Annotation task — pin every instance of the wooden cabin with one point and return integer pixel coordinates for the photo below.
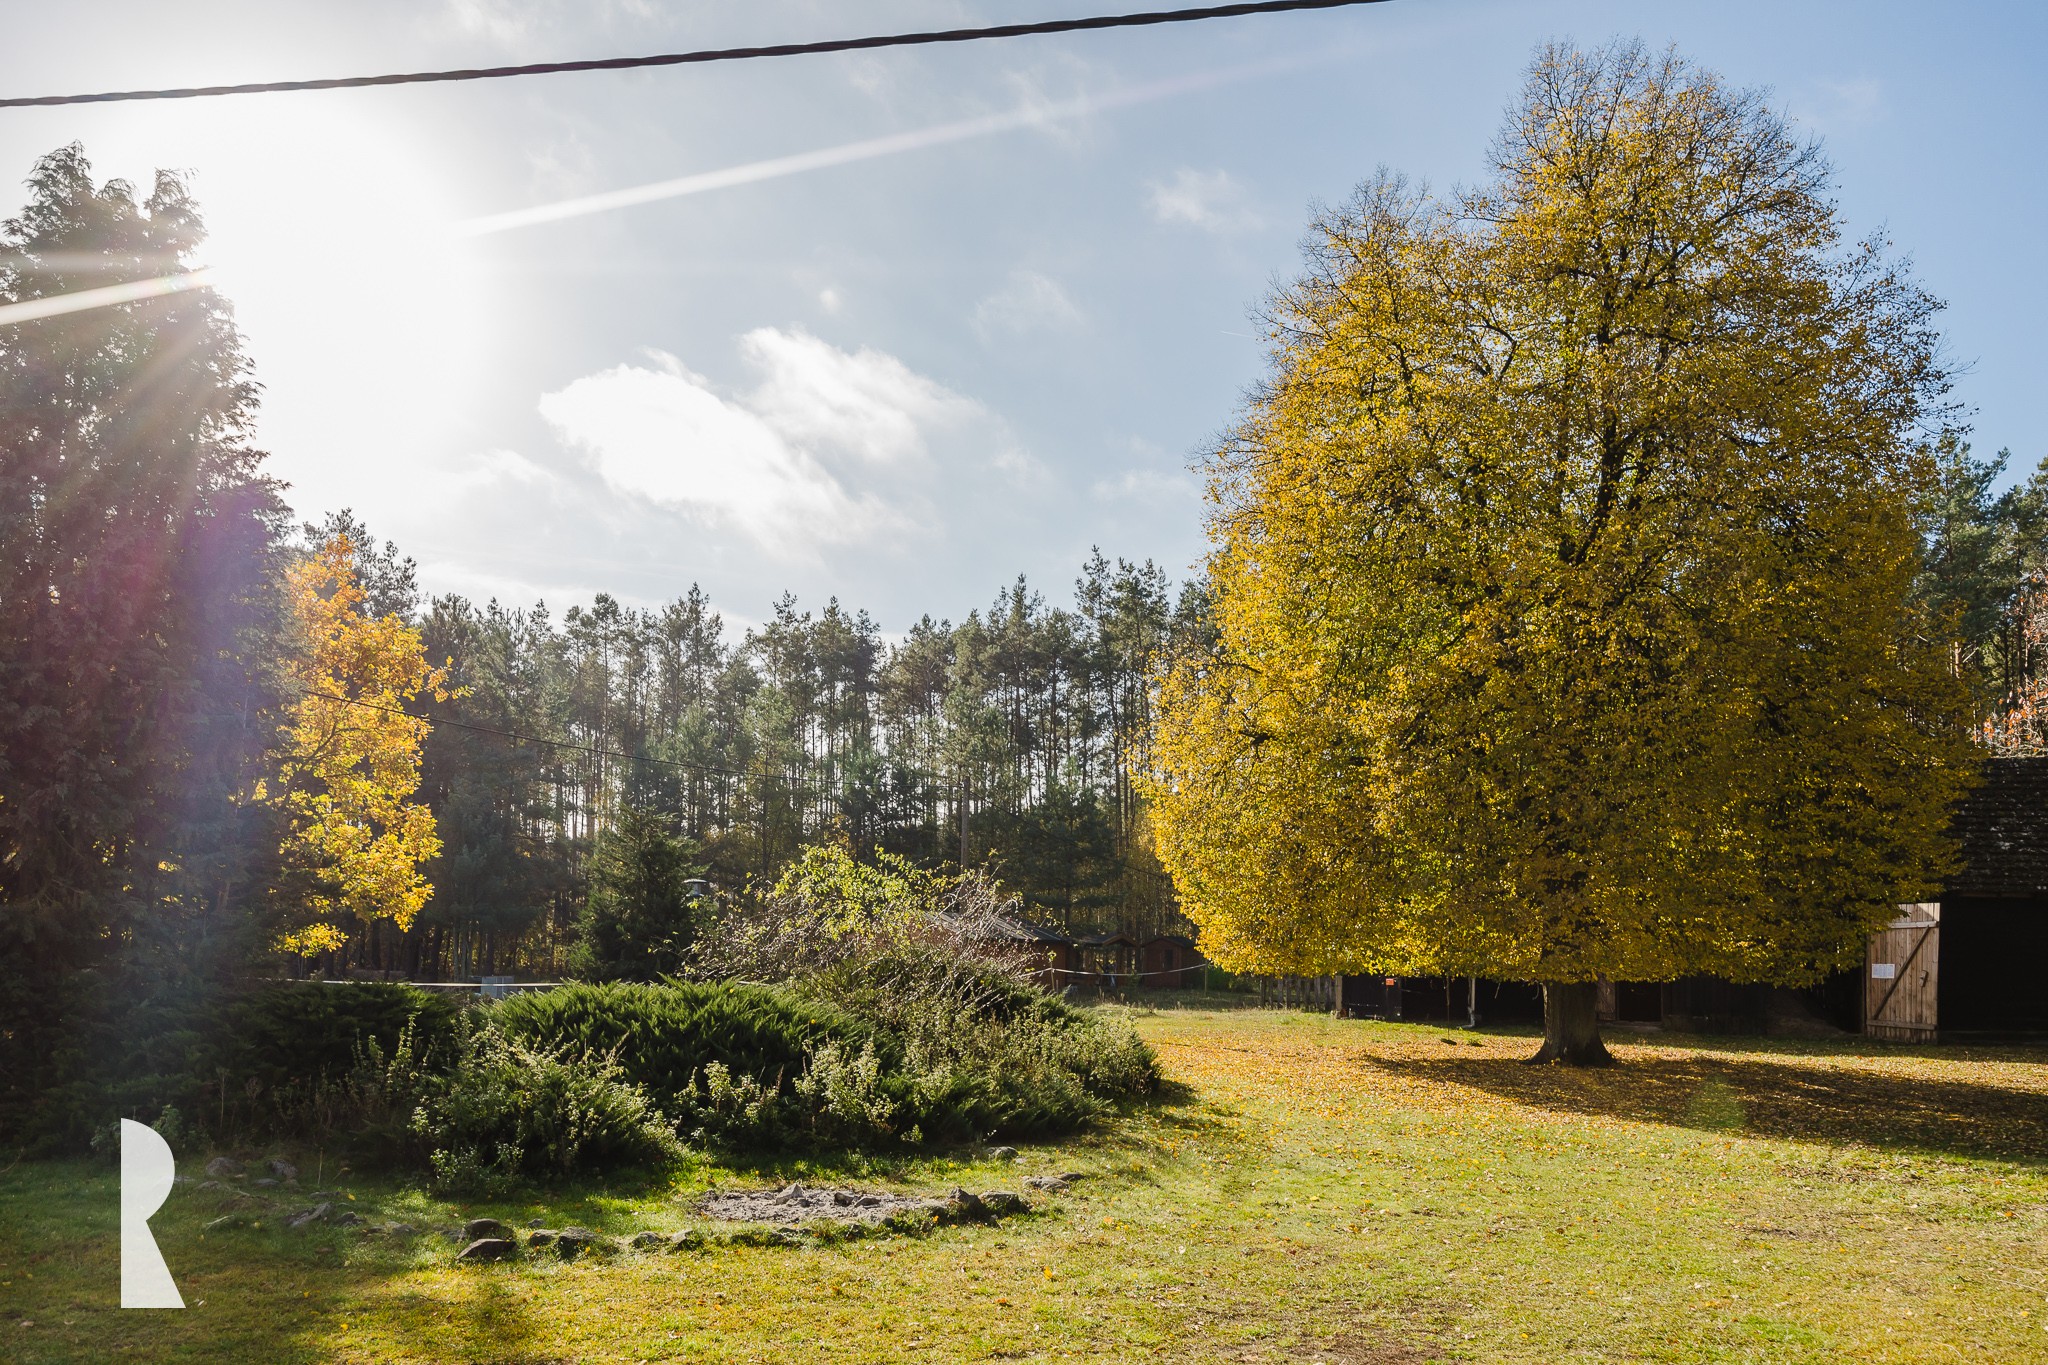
(1170, 960)
(1049, 956)
(1107, 959)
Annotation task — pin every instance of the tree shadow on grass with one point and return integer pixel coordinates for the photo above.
(1769, 1098)
(487, 1321)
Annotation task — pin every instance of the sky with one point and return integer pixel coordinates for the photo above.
(904, 374)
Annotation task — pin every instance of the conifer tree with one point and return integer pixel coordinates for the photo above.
(137, 621)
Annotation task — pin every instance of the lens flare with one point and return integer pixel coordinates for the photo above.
(773, 168)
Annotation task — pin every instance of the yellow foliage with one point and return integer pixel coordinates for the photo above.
(1560, 571)
(352, 758)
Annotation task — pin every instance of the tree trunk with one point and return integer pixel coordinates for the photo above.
(1571, 1025)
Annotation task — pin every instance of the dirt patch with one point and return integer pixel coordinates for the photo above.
(804, 1204)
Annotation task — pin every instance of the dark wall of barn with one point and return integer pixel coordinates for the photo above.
(1993, 955)
(1994, 911)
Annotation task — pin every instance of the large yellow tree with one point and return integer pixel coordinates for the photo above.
(1561, 573)
(356, 840)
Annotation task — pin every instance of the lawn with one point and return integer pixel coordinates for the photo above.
(1309, 1190)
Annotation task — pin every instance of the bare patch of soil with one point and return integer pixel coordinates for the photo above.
(803, 1204)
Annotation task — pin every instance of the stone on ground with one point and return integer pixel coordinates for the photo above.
(487, 1249)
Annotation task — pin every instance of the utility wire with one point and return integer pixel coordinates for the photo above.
(706, 56)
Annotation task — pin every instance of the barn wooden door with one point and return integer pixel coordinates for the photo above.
(1902, 983)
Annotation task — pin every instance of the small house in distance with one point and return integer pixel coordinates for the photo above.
(1113, 959)
(1170, 960)
(1109, 959)
(1050, 957)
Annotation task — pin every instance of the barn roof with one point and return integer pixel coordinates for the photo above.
(2004, 829)
(1023, 931)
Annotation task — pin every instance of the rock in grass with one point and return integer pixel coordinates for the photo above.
(1045, 1182)
(282, 1169)
(689, 1240)
(1002, 1153)
(319, 1213)
(485, 1249)
(541, 1237)
(962, 1205)
(223, 1166)
(1002, 1203)
(574, 1242)
(477, 1228)
(646, 1241)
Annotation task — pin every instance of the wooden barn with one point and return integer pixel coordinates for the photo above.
(1971, 963)
(1107, 959)
(1170, 960)
(1051, 957)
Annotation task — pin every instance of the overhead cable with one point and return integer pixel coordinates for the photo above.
(703, 57)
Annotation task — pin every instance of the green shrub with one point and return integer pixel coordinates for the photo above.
(303, 1033)
(664, 1036)
(987, 1053)
(509, 1111)
(837, 1100)
(865, 1052)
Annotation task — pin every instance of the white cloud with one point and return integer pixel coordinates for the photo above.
(1148, 485)
(830, 299)
(467, 476)
(773, 462)
(866, 403)
(1027, 303)
(510, 21)
(1209, 200)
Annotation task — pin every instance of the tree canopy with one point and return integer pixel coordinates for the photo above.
(1562, 569)
(351, 761)
(137, 543)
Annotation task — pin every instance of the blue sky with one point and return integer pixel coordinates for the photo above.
(906, 379)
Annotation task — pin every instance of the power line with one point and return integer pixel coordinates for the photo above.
(706, 56)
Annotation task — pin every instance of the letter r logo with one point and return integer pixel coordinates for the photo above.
(146, 1174)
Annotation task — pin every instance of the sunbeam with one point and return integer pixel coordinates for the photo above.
(754, 172)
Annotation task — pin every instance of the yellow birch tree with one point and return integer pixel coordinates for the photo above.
(1561, 573)
(352, 760)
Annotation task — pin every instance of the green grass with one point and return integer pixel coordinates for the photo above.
(1310, 1190)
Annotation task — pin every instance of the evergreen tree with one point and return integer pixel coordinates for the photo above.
(137, 625)
(638, 917)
